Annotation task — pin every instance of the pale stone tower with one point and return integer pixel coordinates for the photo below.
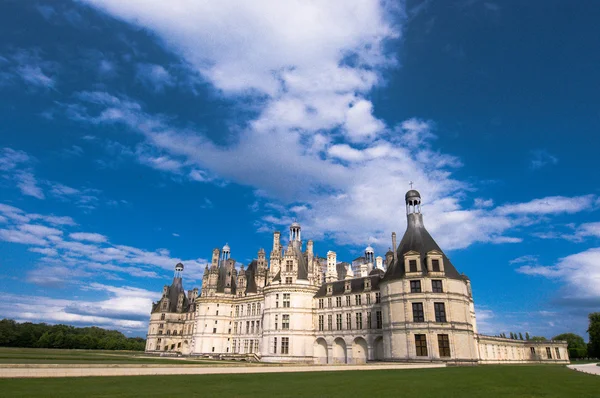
(426, 303)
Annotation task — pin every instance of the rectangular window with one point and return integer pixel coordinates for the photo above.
(289, 266)
(338, 321)
(379, 320)
(329, 322)
(440, 312)
(286, 300)
(252, 328)
(369, 320)
(285, 345)
(368, 297)
(359, 320)
(357, 299)
(338, 301)
(214, 330)
(348, 301)
(321, 303)
(248, 309)
(257, 326)
(247, 327)
(412, 265)
(557, 352)
(321, 322)
(444, 344)
(415, 286)
(235, 328)
(258, 309)
(532, 349)
(237, 310)
(348, 321)
(329, 302)
(549, 352)
(276, 316)
(288, 280)
(276, 301)
(421, 345)
(377, 297)
(436, 286)
(275, 345)
(418, 315)
(285, 321)
(435, 265)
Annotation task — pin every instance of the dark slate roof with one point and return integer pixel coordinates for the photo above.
(357, 285)
(341, 270)
(173, 295)
(377, 271)
(302, 263)
(416, 238)
(278, 276)
(250, 280)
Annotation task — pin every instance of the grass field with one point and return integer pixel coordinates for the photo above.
(50, 356)
(483, 381)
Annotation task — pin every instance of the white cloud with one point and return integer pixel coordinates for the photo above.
(124, 307)
(82, 255)
(89, 237)
(541, 158)
(308, 79)
(27, 183)
(549, 205)
(154, 76)
(11, 159)
(580, 272)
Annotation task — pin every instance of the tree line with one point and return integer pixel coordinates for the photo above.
(42, 335)
(575, 343)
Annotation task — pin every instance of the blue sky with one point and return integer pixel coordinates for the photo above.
(138, 134)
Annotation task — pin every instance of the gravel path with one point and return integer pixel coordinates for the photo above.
(590, 368)
(141, 370)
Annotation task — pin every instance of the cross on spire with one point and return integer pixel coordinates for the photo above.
(411, 184)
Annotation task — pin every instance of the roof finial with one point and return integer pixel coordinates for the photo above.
(411, 184)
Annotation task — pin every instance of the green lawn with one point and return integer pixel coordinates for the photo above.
(51, 356)
(483, 381)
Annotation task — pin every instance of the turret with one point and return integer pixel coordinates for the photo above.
(331, 274)
(215, 258)
(241, 281)
(226, 253)
(379, 262)
(261, 270)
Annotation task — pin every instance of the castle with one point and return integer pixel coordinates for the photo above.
(412, 305)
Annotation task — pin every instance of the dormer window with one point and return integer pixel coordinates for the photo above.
(435, 262)
(412, 265)
(347, 287)
(329, 289)
(412, 262)
(367, 284)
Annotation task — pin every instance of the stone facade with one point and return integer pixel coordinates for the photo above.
(411, 305)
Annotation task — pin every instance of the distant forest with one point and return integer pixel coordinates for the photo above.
(42, 335)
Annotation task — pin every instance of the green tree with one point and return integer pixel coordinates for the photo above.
(526, 335)
(594, 333)
(575, 344)
(520, 336)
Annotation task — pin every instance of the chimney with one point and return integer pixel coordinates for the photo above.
(394, 247)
